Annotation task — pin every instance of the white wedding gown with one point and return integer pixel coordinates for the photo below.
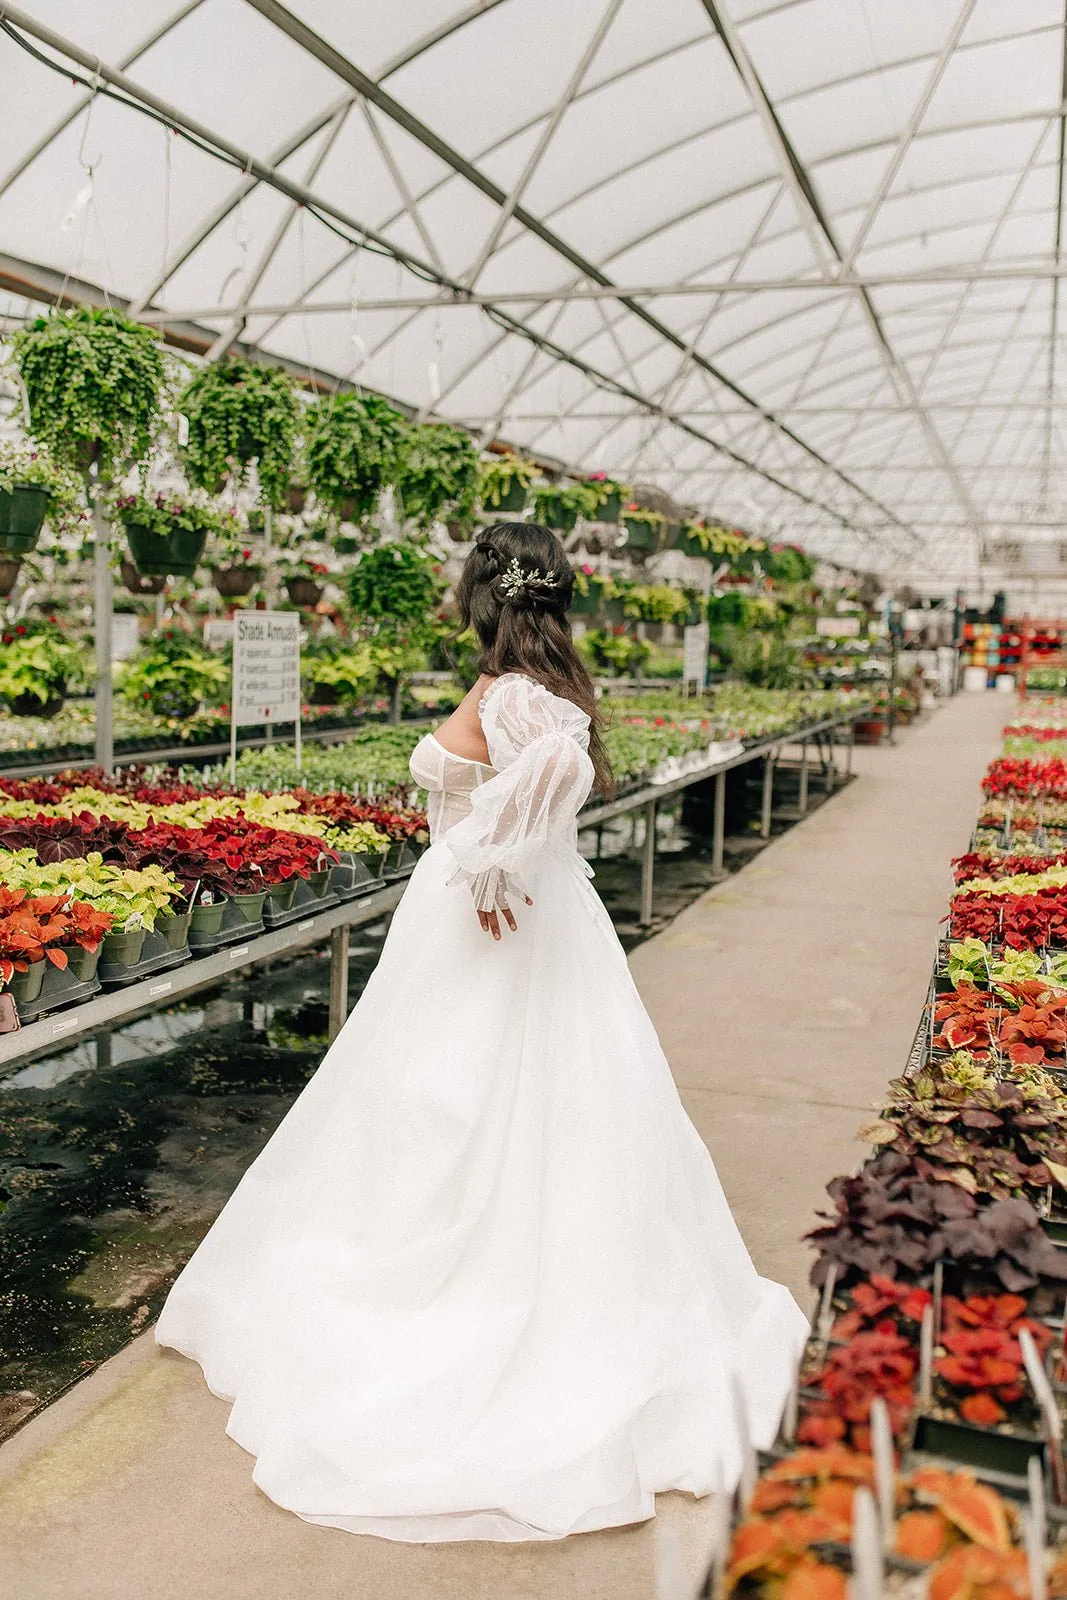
(483, 1282)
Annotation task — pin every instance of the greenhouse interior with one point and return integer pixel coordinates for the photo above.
(533, 692)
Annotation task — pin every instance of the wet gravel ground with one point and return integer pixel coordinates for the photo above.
(117, 1153)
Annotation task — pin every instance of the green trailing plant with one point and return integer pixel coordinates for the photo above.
(437, 473)
(394, 584)
(659, 602)
(239, 413)
(339, 671)
(609, 493)
(25, 464)
(168, 509)
(559, 505)
(37, 664)
(95, 384)
(172, 673)
(351, 443)
(498, 476)
(617, 654)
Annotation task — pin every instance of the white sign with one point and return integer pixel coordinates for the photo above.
(695, 655)
(838, 627)
(266, 674)
(123, 635)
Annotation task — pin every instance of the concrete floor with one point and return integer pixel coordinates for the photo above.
(785, 1000)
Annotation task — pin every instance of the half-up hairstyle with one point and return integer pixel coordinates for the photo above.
(515, 591)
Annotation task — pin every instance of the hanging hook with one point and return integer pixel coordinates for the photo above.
(90, 164)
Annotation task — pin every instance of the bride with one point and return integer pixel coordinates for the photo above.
(483, 1282)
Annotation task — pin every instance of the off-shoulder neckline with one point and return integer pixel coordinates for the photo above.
(468, 761)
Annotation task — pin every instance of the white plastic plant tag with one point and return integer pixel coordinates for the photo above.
(867, 1570)
(183, 429)
(926, 1357)
(884, 1467)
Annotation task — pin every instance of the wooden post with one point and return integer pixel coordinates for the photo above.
(648, 864)
(338, 980)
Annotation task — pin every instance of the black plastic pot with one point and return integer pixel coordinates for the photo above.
(207, 918)
(512, 499)
(123, 949)
(251, 905)
(22, 514)
(281, 895)
(983, 1448)
(28, 705)
(26, 986)
(320, 882)
(81, 963)
(234, 581)
(304, 592)
(174, 928)
(345, 544)
(611, 510)
(641, 535)
(175, 554)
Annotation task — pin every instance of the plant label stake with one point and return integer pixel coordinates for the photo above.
(1035, 1556)
(926, 1357)
(789, 1415)
(1049, 1410)
(867, 1570)
(884, 1467)
(1038, 1522)
(823, 1320)
(1061, 1366)
(939, 1293)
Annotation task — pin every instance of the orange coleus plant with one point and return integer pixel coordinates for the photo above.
(981, 1336)
(34, 928)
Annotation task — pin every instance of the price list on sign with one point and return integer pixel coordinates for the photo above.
(266, 672)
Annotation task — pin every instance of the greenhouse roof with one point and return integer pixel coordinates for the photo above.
(796, 261)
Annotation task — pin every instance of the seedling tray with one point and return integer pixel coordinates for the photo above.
(158, 956)
(58, 989)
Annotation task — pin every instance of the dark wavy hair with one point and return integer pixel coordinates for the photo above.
(515, 591)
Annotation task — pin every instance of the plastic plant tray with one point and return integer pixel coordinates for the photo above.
(57, 990)
(235, 927)
(306, 903)
(158, 956)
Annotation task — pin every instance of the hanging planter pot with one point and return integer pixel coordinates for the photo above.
(345, 544)
(296, 496)
(690, 545)
(136, 583)
(613, 610)
(22, 513)
(673, 536)
(9, 574)
(584, 605)
(561, 518)
(232, 582)
(642, 535)
(304, 592)
(174, 554)
(513, 498)
(28, 705)
(611, 509)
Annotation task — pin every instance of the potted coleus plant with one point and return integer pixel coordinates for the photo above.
(504, 482)
(36, 930)
(437, 474)
(239, 413)
(351, 443)
(37, 662)
(95, 384)
(166, 531)
(644, 528)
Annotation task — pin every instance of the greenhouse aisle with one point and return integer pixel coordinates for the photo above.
(785, 999)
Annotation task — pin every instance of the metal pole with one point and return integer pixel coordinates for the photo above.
(648, 864)
(718, 836)
(768, 793)
(103, 604)
(850, 746)
(831, 762)
(338, 980)
(804, 778)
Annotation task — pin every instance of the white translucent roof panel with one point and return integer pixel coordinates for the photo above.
(798, 261)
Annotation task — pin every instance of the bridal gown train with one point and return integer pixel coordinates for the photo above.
(483, 1282)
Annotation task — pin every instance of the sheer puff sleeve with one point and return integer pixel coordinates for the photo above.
(539, 746)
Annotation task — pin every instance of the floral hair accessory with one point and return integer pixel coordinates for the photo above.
(515, 580)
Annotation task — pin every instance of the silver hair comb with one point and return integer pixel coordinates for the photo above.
(515, 580)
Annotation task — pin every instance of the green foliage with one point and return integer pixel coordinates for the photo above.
(351, 444)
(92, 377)
(559, 505)
(168, 509)
(346, 669)
(171, 673)
(636, 513)
(394, 584)
(616, 654)
(239, 413)
(133, 896)
(762, 658)
(24, 464)
(659, 602)
(375, 759)
(437, 473)
(39, 661)
(498, 474)
(787, 563)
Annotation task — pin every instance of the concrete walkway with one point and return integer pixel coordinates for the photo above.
(785, 1000)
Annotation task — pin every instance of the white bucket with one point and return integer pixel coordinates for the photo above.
(1006, 683)
(974, 679)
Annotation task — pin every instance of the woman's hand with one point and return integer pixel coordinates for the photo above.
(490, 921)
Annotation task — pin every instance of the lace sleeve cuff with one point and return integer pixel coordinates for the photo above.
(492, 889)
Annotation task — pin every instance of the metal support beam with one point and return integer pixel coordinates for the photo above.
(338, 980)
(718, 837)
(103, 602)
(803, 798)
(648, 864)
(769, 761)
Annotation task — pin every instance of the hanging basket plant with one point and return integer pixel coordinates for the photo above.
(95, 383)
(611, 496)
(10, 566)
(33, 488)
(137, 584)
(239, 413)
(166, 532)
(644, 528)
(559, 505)
(504, 483)
(437, 473)
(236, 562)
(394, 584)
(351, 443)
